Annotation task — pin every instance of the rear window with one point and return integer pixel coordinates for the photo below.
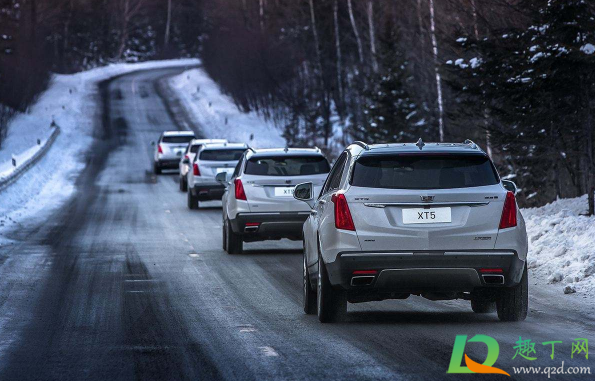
(177, 139)
(423, 172)
(221, 154)
(287, 166)
(195, 148)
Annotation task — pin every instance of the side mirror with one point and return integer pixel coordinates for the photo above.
(304, 192)
(186, 161)
(509, 186)
(221, 177)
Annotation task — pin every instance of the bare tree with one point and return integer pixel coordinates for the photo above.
(127, 11)
(440, 100)
(372, 35)
(338, 49)
(358, 39)
(167, 25)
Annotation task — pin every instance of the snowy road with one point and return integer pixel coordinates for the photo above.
(124, 282)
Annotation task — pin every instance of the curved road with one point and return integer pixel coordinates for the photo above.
(124, 282)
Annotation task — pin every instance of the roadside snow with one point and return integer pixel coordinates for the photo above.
(562, 245)
(217, 114)
(72, 101)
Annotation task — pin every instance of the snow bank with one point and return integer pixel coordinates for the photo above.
(562, 245)
(72, 101)
(218, 116)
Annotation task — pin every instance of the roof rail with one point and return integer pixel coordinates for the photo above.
(362, 144)
(469, 141)
(420, 144)
(317, 149)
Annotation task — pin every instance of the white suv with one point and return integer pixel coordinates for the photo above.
(169, 149)
(189, 155)
(258, 203)
(395, 220)
(210, 160)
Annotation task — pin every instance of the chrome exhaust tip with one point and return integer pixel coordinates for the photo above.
(250, 229)
(365, 280)
(493, 278)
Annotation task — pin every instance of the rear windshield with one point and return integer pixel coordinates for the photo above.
(287, 166)
(195, 148)
(423, 172)
(177, 139)
(221, 154)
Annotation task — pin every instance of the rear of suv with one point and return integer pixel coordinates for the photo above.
(434, 220)
(259, 205)
(210, 160)
(169, 149)
(188, 158)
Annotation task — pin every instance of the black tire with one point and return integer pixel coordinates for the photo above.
(513, 302)
(183, 185)
(235, 245)
(309, 297)
(156, 169)
(331, 304)
(224, 234)
(192, 201)
(480, 306)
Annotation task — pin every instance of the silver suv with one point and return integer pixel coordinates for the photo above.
(169, 149)
(210, 160)
(258, 203)
(394, 220)
(188, 158)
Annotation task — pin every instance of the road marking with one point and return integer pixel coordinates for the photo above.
(194, 255)
(246, 328)
(268, 351)
(135, 292)
(140, 280)
(167, 211)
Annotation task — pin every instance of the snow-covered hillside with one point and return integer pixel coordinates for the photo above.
(562, 245)
(218, 116)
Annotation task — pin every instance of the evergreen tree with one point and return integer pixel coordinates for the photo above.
(391, 113)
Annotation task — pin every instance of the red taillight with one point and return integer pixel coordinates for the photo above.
(491, 271)
(195, 170)
(159, 149)
(365, 272)
(508, 219)
(343, 218)
(240, 194)
(252, 223)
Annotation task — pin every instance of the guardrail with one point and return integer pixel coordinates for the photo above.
(20, 170)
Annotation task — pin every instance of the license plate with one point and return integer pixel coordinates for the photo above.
(426, 216)
(284, 191)
(226, 170)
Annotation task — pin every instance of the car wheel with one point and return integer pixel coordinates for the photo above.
(224, 235)
(156, 169)
(235, 245)
(480, 306)
(331, 303)
(192, 201)
(513, 302)
(309, 292)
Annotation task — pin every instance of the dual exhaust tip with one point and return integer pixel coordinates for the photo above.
(251, 227)
(367, 277)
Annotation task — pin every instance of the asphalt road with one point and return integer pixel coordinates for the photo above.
(124, 282)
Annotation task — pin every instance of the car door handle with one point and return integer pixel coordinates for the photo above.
(322, 202)
(313, 212)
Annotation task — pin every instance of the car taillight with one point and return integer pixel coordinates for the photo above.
(508, 219)
(159, 149)
(343, 218)
(240, 194)
(195, 170)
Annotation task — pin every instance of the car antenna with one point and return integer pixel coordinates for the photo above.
(286, 149)
(420, 143)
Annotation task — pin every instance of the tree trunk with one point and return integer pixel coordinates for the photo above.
(358, 40)
(440, 101)
(167, 25)
(372, 35)
(338, 50)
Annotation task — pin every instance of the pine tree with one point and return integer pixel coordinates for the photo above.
(391, 113)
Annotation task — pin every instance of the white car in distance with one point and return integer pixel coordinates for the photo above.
(188, 158)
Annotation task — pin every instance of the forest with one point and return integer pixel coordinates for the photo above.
(515, 76)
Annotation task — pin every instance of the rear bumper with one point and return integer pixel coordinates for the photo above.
(168, 163)
(208, 191)
(413, 273)
(273, 225)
